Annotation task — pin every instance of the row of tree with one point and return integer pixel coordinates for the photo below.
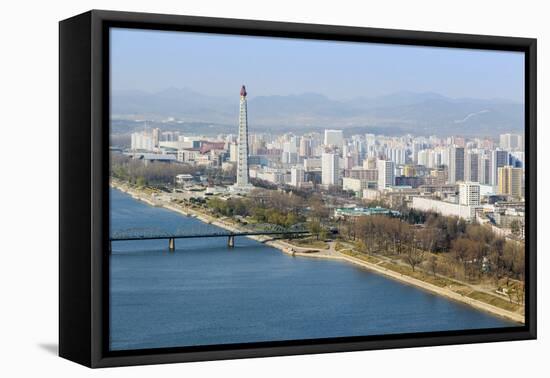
(472, 250)
(273, 209)
(152, 173)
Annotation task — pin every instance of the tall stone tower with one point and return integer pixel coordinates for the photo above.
(242, 183)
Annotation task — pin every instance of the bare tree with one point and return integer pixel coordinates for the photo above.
(433, 264)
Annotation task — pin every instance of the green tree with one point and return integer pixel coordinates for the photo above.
(140, 181)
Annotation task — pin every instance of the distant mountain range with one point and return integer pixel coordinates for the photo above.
(418, 113)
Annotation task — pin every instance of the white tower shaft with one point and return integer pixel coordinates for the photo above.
(242, 155)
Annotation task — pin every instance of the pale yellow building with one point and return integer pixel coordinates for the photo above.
(409, 171)
(509, 181)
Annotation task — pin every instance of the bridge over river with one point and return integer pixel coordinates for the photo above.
(207, 230)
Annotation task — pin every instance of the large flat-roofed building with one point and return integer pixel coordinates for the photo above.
(353, 212)
(362, 173)
(371, 194)
(151, 157)
(180, 144)
(188, 155)
(357, 185)
(444, 208)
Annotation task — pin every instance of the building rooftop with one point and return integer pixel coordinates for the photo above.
(364, 211)
(152, 156)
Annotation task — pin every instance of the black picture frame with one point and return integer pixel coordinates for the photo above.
(84, 196)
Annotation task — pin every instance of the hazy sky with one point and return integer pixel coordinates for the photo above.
(218, 64)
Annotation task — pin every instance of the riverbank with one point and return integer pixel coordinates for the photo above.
(330, 253)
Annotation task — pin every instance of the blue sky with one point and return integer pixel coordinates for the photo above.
(218, 64)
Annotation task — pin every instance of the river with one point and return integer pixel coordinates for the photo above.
(205, 293)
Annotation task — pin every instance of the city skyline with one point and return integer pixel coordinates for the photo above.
(383, 183)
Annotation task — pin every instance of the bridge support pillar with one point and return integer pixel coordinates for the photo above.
(171, 244)
(231, 241)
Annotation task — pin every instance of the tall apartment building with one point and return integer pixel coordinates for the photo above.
(233, 152)
(305, 147)
(511, 141)
(471, 166)
(297, 176)
(334, 138)
(330, 169)
(156, 137)
(510, 181)
(142, 141)
(499, 158)
(456, 164)
(386, 173)
(484, 171)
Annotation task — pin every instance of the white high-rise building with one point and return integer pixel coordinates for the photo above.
(156, 137)
(423, 158)
(334, 138)
(435, 159)
(330, 169)
(468, 193)
(397, 155)
(386, 173)
(142, 141)
(305, 147)
(416, 148)
(297, 176)
(242, 183)
(233, 152)
(289, 154)
(511, 141)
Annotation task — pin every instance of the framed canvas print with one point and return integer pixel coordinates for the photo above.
(235, 188)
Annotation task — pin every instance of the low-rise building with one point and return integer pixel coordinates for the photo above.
(147, 157)
(444, 208)
(356, 185)
(353, 212)
(469, 193)
(184, 179)
(371, 194)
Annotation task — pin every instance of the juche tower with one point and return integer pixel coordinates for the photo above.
(242, 183)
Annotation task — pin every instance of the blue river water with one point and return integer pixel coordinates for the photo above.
(205, 293)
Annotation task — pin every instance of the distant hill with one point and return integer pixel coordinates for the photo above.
(420, 113)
